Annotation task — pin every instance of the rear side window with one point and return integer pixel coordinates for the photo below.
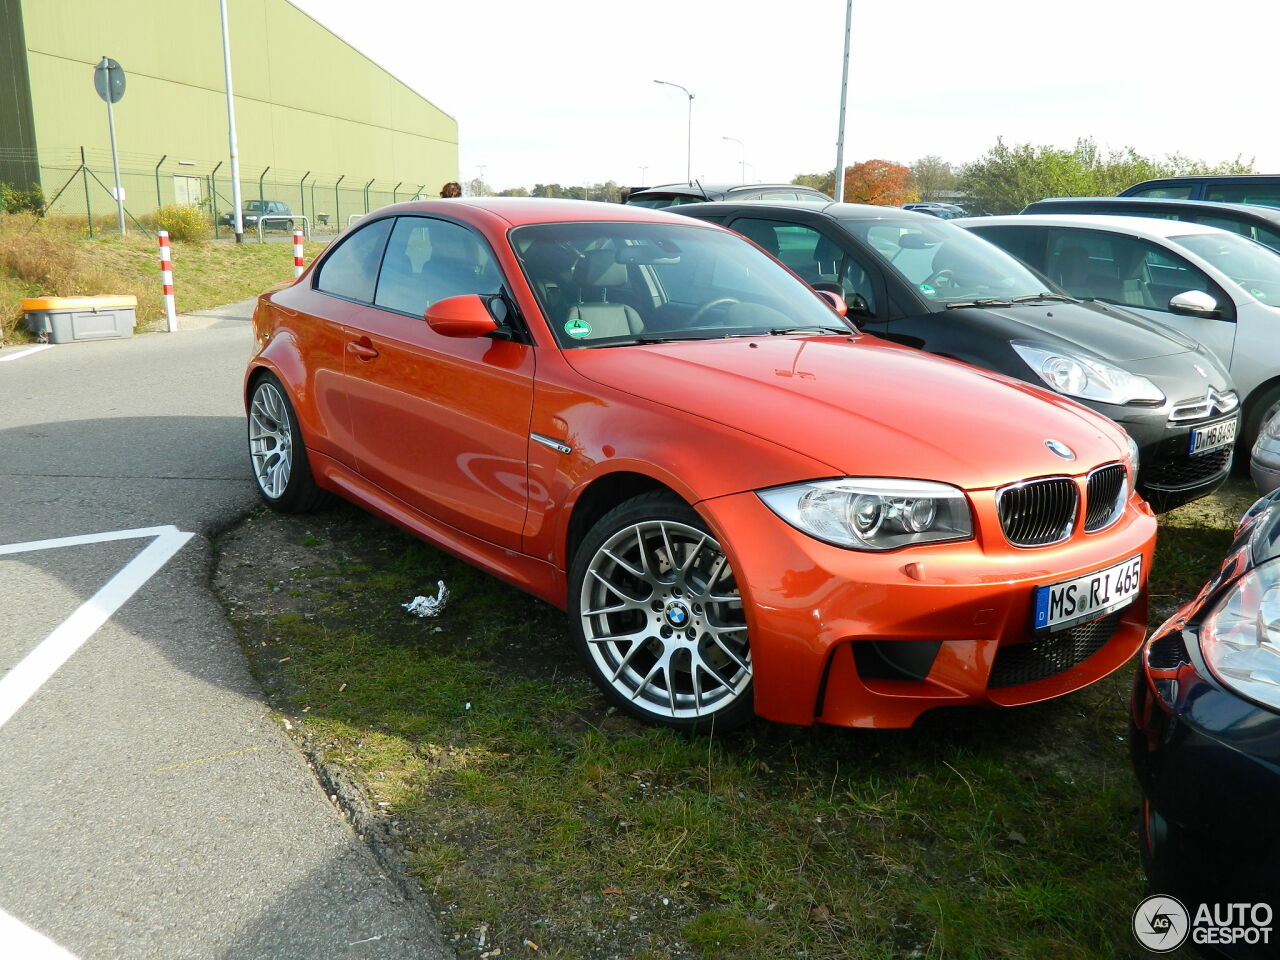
(351, 271)
(1265, 194)
(428, 260)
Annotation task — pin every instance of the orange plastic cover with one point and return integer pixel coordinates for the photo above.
(77, 303)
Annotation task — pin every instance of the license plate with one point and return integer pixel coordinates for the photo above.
(1061, 605)
(1213, 436)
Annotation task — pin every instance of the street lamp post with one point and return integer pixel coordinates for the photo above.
(643, 168)
(237, 221)
(844, 92)
(742, 164)
(688, 154)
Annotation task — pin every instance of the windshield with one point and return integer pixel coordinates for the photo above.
(609, 284)
(1250, 264)
(251, 206)
(946, 263)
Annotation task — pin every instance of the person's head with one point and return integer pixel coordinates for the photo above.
(451, 189)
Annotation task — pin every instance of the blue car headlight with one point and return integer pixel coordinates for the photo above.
(1240, 639)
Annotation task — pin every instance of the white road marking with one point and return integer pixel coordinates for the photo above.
(21, 683)
(25, 353)
(27, 943)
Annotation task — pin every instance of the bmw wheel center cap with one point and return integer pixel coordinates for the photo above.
(678, 615)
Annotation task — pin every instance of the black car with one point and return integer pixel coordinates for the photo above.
(1257, 188)
(1249, 220)
(675, 194)
(1205, 735)
(924, 282)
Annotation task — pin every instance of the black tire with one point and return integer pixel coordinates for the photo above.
(651, 569)
(1260, 408)
(277, 454)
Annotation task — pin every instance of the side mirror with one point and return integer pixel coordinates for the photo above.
(836, 301)
(464, 316)
(1197, 303)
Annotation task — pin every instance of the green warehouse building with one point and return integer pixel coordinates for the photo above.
(320, 126)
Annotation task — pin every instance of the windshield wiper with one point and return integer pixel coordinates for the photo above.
(633, 341)
(1000, 302)
(784, 331)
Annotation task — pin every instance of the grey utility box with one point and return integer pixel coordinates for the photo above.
(67, 319)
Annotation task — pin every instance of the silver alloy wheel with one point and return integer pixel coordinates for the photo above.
(270, 440)
(663, 620)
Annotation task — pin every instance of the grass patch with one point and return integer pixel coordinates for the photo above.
(53, 256)
(534, 815)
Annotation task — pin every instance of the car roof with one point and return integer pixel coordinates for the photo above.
(1259, 211)
(1197, 177)
(833, 210)
(517, 211)
(718, 189)
(1138, 226)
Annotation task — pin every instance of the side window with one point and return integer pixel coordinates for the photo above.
(1266, 194)
(1119, 269)
(792, 243)
(351, 271)
(859, 289)
(428, 260)
(1164, 193)
(1235, 226)
(1025, 243)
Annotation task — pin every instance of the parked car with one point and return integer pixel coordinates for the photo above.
(273, 213)
(1261, 189)
(742, 503)
(674, 194)
(1214, 286)
(1264, 464)
(1255, 222)
(918, 281)
(943, 211)
(1205, 734)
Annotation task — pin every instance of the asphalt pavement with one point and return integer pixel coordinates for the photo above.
(151, 805)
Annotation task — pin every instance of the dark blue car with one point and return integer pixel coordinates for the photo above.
(1205, 738)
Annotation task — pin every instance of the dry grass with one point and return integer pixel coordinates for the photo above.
(54, 256)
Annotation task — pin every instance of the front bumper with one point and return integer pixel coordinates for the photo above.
(1208, 763)
(1169, 476)
(862, 639)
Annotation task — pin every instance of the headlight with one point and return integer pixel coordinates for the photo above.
(1086, 377)
(1134, 460)
(870, 513)
(1241, 638)
(1272, 427)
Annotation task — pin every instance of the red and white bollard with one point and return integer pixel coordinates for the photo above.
(166, 277)
(298, 262)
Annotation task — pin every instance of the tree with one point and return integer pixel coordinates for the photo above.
(933, 177)
(1005, 179)
(476, 188)
(880, 182)
(514, 192)
(872, 181)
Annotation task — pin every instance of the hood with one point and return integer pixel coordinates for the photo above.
(1098, 329)
(864, 406)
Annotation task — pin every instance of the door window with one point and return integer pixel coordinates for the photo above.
(1266, 194)
(351, 271)
(428, 260)
(1093, 264)
(813, 256)
(1164, 193)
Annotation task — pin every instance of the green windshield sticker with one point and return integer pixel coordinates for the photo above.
(577, 329)
(1258, 293)
(927, 290)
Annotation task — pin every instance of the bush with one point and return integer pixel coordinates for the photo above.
(183, 222)
(13, 200)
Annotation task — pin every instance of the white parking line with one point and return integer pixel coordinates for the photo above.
(25, 353)
(27, 943)
(21, 683)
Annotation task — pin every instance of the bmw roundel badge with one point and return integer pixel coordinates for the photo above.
(1061, 449)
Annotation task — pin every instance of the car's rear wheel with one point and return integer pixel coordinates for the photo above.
(277, 454)
(659, 618)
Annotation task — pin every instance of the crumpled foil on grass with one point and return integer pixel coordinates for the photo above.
(429, 606)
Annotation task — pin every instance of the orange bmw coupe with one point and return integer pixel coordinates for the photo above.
(744, 505)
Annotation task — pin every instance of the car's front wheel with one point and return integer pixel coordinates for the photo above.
(277, 453)
(659, 617)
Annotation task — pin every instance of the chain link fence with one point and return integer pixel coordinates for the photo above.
(79, 183)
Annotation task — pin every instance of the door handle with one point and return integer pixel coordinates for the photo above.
(363, 348)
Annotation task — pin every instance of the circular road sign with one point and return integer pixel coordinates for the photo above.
(108, 80)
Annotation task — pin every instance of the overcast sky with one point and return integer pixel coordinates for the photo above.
(562, 90)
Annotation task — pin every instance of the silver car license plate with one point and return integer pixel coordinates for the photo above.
(1061, 605)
